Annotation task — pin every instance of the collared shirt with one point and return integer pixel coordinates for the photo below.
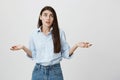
(42, 48)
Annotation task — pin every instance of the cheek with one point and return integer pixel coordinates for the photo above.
(52, 20)
(42, 19)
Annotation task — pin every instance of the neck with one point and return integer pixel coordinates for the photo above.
(45, 30)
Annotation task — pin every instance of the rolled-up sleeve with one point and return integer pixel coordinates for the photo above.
(64, 46)
(32, 47)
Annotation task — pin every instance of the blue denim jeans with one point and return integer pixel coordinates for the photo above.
(52, 72)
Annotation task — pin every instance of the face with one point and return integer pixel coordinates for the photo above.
(47, 18)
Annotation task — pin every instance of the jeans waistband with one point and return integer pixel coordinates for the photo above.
(47, 67)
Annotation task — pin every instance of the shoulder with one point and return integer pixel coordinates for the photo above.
(62, 32)
(34, 32)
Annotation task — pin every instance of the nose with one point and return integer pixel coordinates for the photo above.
(48, 17)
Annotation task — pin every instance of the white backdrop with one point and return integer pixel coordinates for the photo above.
(96, 21)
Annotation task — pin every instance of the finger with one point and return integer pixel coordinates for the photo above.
(90, 44)
(87, 45)
(86, 42)
(11, 48)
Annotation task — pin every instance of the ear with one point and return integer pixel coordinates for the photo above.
(40, 17)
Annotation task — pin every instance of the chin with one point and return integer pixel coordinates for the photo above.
(48, 26)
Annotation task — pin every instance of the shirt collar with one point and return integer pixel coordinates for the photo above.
(39, 29)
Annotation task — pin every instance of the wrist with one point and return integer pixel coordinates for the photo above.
(76, 45)
(23, 47)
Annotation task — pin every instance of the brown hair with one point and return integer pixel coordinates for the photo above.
(55, 30)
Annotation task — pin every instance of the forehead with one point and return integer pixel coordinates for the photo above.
(47, 12)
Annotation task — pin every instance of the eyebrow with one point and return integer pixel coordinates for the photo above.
(47, 13)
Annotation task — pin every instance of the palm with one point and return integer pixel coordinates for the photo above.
(16, 47)
(84, 44)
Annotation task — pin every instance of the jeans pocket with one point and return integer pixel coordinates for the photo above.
(36, 73)
(36, 68)
(57, 71)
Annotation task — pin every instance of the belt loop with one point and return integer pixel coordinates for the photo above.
(39, 66)
(52, 67)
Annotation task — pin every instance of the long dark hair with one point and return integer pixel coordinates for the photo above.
(55, 30)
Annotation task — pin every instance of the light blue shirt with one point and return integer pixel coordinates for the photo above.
(42, 48)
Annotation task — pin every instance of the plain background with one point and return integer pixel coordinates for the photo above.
(95, 21)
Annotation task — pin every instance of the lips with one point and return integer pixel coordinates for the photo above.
(47, 22)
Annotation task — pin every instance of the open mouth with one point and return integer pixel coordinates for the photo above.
(47, 22)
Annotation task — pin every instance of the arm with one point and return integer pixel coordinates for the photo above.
(66, 50)
(80, 44)
(19, 47)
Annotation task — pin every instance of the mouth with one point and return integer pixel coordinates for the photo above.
(47, 22)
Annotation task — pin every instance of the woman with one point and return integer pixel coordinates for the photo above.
(48, 46)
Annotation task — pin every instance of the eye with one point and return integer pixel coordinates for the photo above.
(44, 14)
(51, 15)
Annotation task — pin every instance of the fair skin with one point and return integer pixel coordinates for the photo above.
(47, 20)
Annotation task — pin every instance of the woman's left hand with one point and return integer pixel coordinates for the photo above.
(84, 44)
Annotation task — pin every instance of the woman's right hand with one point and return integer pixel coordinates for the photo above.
(16, 47)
